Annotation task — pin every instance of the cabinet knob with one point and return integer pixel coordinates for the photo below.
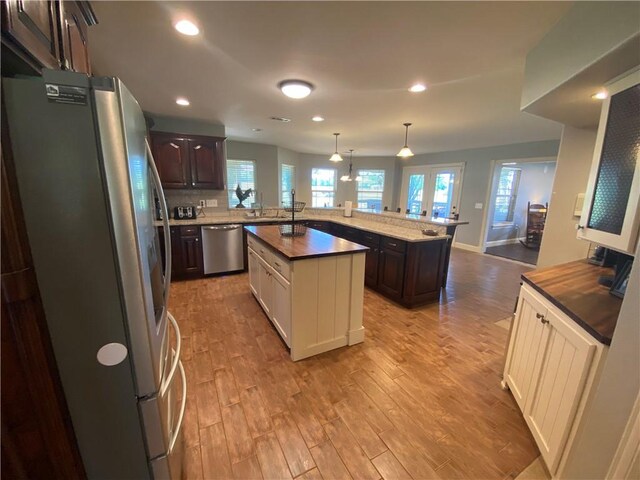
(193, 184)
(579, 227)
(197, 239)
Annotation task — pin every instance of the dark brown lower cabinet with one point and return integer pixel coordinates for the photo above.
(191, 255)
(186, 252)
(391, 273)
(371, 267)
(424, 272)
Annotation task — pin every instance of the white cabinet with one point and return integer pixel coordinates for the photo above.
(271, 289)
(550, 367)
(253, 272)
(281, 310)
(610, 214)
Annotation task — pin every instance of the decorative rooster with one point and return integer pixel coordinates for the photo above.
(242, 196)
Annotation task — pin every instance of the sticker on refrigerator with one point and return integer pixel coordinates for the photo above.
(66, 94)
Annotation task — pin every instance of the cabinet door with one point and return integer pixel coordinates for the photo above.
(254, 281)
(191, 253)
(611, 215)
(281, 313)
(371, 268)
(206, 158)
(171, 156)
(528, 339)
(176, 253)
(564, 368)
(391, 273)
(75, 50)
(266, 287)
(32, 25)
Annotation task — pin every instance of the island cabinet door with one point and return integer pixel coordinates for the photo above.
(551, 407)
(266, 287)
(424, 271)
(254, 272)
(526, 347)
(281, 312)
(391, 273)
(371, 267)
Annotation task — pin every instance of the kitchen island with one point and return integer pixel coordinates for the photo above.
(310, 287)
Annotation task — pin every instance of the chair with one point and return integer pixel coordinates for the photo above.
(536, 217)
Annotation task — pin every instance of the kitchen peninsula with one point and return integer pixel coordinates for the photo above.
(311, 287)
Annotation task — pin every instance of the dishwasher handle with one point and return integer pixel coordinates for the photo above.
(222, 227)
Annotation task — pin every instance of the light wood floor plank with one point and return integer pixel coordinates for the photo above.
(389, 467)
(247, 469)
(215, 457)
(349, 450)
(255, 411)
(293, 445)
(208, 407)
(329, 462)
(237, 432)
(272, 461)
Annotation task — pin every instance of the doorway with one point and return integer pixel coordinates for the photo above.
(434, 189)
(520, 192)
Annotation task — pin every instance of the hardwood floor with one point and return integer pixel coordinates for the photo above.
(420, 398)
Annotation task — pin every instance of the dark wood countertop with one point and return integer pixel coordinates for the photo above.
(573, 288)
(312, 245)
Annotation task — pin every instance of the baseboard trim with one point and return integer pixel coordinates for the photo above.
(506, 241)
(466, 246)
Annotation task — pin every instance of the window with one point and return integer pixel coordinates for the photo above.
(240, 172)
(506, 195)
(370, 189)
(287, 182)
(323, 187)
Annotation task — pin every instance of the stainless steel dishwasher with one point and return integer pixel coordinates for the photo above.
(222, 248)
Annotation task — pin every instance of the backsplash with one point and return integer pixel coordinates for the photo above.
(192, 197)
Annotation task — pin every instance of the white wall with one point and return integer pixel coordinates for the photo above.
(267, 167)
(536, 181)
(476, 178)
(559, 243)
(345, 190)
(589, 31)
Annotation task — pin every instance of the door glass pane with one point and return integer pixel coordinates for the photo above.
(443, 194)
(414, 193)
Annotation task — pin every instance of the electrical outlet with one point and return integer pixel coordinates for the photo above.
(479, 206)
(212, 203)
(202, 203)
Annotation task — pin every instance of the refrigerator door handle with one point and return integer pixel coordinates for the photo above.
(176, 432)
(165, 222)
(176, 357)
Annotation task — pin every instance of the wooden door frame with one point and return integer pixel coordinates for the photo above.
(428, 167)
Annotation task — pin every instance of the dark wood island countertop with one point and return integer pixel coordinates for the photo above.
(573, 287)
(311, 245)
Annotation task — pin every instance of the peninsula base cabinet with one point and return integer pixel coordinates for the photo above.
(315, 304)
(550, 369)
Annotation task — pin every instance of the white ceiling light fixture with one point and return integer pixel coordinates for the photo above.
(417, 88)
(186, 27)
(183, 102)
(336, 156)
(296, 89)
(349, 178)
(405, 152)
(601, 95)
(318, 118)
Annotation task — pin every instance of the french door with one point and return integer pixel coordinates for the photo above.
(435, 189)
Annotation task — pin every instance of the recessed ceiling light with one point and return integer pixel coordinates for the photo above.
(186, 27)
(280, 119)
(318, 118)
(256, 129)
(295, 88)
(182, 102)
(601, 95)
(418, 87)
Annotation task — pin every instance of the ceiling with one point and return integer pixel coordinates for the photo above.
(361, 57)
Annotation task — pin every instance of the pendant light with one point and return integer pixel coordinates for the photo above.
(405, 152)
(336, 156)
(349, 178)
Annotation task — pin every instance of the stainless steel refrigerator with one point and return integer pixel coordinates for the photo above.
(88, 186)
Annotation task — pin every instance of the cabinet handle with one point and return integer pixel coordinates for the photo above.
(539, 315)
(174, 145)
(276, 264)
(193, 184)
(579, 227)
(393, 244)
(543, 320)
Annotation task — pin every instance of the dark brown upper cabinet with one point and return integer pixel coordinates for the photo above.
(207, 160)
(48, 34)
(75, 19)
(32, 28)
(189, 161)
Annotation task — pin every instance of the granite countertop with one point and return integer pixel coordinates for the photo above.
(573, 287)
(445, 222)
(389, 230)
(311, 245)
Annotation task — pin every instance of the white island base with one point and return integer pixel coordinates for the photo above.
(313, 299)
